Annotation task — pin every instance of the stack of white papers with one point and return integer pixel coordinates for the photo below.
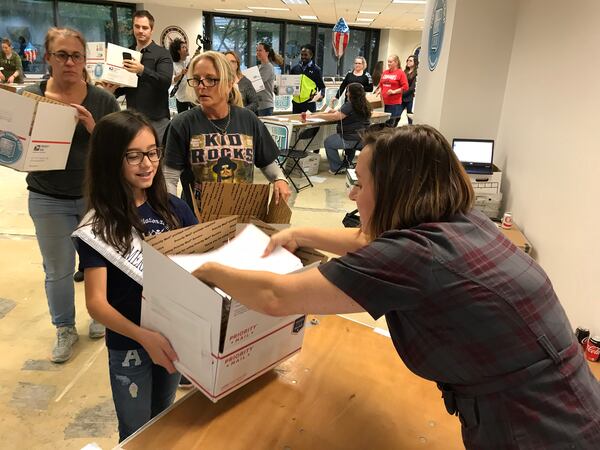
(244, 252)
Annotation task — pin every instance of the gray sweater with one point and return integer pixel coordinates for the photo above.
(265, 98)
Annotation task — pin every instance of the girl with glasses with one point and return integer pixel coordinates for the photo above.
(218, 127)
(127, 199)
(56, 197)
(359, 75)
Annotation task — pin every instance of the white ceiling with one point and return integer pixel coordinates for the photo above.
(391, 15)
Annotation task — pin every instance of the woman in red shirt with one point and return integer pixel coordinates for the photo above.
(391, 86)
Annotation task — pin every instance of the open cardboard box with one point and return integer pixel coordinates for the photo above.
(35, 132)
(245, 200)
(221, 344)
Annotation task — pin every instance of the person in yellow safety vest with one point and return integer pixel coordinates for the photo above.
(312, 87)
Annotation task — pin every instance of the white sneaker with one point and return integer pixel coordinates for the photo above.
(96, 330)
(63, 349)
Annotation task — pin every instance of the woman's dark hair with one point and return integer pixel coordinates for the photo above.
(273, 57)
(107, 191)
(377, 72)
(358, 99)
(412, 74)
(417, 179)
(174, 48)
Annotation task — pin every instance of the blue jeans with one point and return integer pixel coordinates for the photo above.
(141, 389)
(265, 112)
(332, 144)
(54, 220)
(395, 111)
(408, 106)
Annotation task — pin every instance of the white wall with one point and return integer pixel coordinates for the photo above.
(431, 85)
(189, 19)
(480, 51)
(548, 145)
(397, 42)
(463, 96)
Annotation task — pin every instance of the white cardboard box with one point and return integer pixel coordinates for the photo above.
(487, 184)
(35, 132)
(107, 65)
(309, 164)
(232, 345)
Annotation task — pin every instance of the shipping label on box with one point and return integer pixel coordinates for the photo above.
(35, 132)
(229, 344)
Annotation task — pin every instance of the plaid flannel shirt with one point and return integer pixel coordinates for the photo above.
(470, 311)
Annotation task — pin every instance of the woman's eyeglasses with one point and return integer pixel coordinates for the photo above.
(63, 57)
(136, 157)
(206, 82)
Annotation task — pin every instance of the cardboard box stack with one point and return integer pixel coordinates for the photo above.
(488, 197)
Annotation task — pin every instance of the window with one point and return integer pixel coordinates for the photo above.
(124, 36)
(325, 57)
(356, 47)
(230, 34)
(25, 23)
(95, 21)
(297, 36)
(263, 32)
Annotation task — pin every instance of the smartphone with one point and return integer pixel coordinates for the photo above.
(127, 55)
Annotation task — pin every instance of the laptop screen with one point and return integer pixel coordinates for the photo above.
(476, 155)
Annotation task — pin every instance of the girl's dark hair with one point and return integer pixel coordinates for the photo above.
(174, 48)
(358, 99)
(410, 75)
(273, 57)
(107, 191)
(417, 179)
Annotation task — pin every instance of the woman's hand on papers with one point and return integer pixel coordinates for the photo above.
(159, 349)
(85, 117)
(284, 238)
(281, 190)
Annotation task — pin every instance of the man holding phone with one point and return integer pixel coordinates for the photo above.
(154, 71)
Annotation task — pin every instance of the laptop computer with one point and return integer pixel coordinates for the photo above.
(476, 155)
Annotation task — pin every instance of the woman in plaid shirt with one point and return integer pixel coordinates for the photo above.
(465, 307)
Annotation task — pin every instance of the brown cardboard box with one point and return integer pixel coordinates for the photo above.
(245, 200)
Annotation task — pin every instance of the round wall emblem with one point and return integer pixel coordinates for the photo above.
(436, 33)
(171, 33)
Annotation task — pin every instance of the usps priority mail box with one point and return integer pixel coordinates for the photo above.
(35, 132)
(106, 64)
(221, 344)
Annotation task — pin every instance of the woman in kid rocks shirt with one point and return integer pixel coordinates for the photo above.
(393, 82)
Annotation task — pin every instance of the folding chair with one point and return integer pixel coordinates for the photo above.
(358, 145)
(295, 154)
